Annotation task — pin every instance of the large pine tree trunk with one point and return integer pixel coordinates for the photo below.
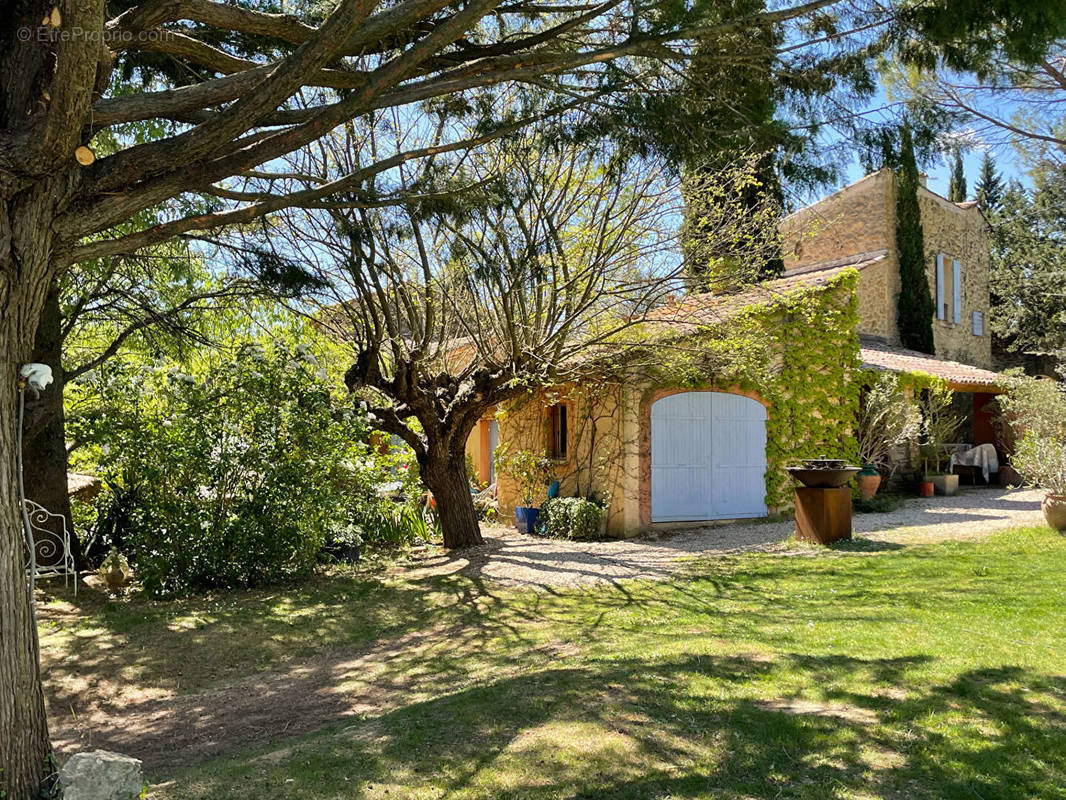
(25, 225)
(444, 472)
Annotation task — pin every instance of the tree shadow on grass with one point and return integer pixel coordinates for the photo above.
(111, 668)
(477, 659)
(698, 726)
(860, 545)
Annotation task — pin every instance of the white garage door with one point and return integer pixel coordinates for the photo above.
(708, 457)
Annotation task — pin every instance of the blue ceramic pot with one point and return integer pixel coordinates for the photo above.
(525, 518)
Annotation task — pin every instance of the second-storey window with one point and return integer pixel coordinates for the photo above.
(941, 308)
(948, 289)
(978, 323)
(557, 431)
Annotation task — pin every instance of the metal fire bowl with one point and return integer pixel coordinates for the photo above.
(823, 478)
(825, 463)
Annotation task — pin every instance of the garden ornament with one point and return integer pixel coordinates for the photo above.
(36, 376)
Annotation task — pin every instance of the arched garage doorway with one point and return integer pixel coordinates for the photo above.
(708, 457)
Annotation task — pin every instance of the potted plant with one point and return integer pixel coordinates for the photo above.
(938, 426)
(346, 543)
(115, 570)
(1036, 412)
(531, 472)
(886, 420)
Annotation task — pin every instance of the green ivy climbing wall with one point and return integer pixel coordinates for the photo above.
(800, 353)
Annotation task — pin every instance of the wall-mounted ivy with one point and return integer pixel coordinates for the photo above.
(800, 353)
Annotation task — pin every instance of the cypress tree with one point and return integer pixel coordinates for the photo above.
(957, 187)
(915, 308)
(736, 113)
(989, 189)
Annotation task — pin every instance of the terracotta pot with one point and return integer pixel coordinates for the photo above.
(1054, 508)
(868, 484)
(926, 489)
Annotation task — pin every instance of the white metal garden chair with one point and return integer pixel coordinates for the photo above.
(51, 542)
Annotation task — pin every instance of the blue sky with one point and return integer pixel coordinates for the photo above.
(940, 174)
(1005, 156)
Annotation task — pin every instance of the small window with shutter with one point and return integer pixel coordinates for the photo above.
(978, 322)
(940, 307)
(557, 431)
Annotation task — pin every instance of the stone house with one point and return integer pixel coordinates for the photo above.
(861, 218)
(767, 375)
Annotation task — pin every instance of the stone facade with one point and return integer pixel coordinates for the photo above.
(599, 438)
(609, 431)
(851, 220)
(959, 233)
(861, 218)
(609, 423)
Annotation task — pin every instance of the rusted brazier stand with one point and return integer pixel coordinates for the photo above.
(823, 503)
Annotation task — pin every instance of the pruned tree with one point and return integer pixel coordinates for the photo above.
(453, 308)
(517, 266)
(227, 89)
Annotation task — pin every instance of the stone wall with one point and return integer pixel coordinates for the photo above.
(596, 445)
(877, 292)
(861, 218)
(852, 220)
(804, 352)
(958, 233)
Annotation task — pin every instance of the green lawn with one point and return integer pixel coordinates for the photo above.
(932, 671)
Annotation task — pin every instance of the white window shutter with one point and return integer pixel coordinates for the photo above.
(956, 291)
(940, 286)
(978, 323)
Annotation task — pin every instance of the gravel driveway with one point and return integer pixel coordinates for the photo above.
(517, 559)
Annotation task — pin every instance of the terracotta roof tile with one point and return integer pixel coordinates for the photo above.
(708, 308)
(888, 358)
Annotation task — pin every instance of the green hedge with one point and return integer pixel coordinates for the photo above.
(571, 518)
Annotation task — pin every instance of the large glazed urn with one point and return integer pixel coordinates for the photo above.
(868, 480)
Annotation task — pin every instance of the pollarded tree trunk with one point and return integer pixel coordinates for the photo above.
(444, 472)
(25, 274)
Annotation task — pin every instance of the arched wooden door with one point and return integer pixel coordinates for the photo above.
(708, 457)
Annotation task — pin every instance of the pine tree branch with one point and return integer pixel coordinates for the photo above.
(135, 163)
(205, 222)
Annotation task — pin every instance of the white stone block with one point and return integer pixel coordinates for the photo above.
(101, 775)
